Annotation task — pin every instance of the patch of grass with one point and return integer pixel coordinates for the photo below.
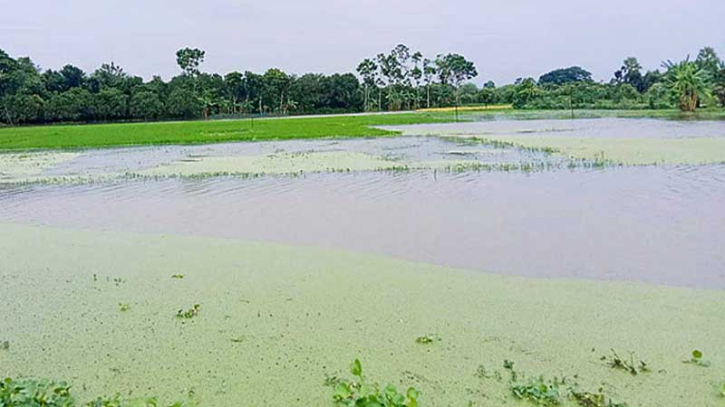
(190, 313)
(199, 132)
(697, 359)
(359, 392)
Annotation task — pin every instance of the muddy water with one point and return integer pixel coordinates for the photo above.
(659, 224)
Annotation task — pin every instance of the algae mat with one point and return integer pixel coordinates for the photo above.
(628, 151)
(276, 320)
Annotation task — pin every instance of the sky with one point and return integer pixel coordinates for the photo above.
(506, 39)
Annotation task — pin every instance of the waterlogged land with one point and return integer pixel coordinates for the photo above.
(274, 321)
(254, 273)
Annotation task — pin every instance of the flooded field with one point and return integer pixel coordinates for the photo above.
(508, 240)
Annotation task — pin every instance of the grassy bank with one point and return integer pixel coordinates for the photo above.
(275, 321)
(197, 132)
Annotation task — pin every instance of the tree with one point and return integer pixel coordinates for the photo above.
(709, 61)
(686, 83)
(454, 69)
(565, 75)
(368, 71)
(183, 103)
(146, 105)
(630, 73)
(189, 60)
(525, 92)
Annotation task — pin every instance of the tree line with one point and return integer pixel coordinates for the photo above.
(400, 79)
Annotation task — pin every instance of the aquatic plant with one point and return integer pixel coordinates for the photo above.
(123, 306)
(617, 362)
(32, 393)
(177, 276)
(359, 392)
(538, 391)
(427, 339)
(697, 359)
(190, 313)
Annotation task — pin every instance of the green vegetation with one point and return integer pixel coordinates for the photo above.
(697, 359)
(190, 313)
(360, 392)
(427, 339)
(47, 393)
(400, 79)
(539, 391)
(123, 307)
(629, 366)
(104, 135)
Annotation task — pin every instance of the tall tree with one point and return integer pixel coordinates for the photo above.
(687, 83)
(189, 60)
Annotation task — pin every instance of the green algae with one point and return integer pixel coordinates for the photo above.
(627, 151)
(305, 312)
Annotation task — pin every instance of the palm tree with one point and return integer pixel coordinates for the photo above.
(686, 82)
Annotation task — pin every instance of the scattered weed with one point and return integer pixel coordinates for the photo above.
(178, 276)
(358, 392)
(190, 313)
(588, 399)
(427, 339)
(123, 306)
(617, 362)
(4, 345)
(697, 359)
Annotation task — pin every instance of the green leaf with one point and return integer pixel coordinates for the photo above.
(356, 368)
(696, 354)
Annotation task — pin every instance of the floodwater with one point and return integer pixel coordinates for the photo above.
(654, 224)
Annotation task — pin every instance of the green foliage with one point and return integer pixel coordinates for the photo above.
(697, 359)
(565, 75)
(190, 313)
(686, 82)
(177, 276)
(538, 391)
(123, 306)
(47, 393)
(35, 393)
(360, 392)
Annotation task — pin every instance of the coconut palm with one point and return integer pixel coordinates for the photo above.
(686, 82)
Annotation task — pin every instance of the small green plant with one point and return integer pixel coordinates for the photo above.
(538, 391)
(721, 390)
(427, 339)
(358, 392)
(697, 359)
(4, 345)
(177, 276)
(508, 364)
(190, 313)
(617, 362)
(123, 306)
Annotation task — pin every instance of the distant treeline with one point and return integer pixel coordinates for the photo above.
(397, 80)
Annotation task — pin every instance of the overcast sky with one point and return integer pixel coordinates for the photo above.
(506, 39)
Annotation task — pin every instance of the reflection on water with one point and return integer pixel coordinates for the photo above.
(652, 224)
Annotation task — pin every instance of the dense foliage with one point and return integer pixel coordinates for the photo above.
(398, 80)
